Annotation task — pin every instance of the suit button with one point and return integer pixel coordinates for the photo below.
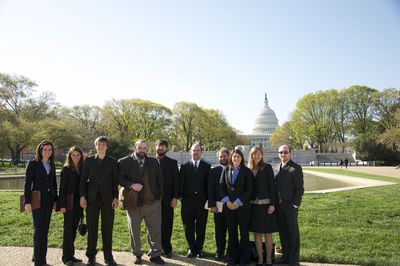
(195, 192)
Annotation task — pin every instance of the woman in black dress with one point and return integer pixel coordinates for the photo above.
(69, 202)
(40, 178)
(236, 189)
(263, 200)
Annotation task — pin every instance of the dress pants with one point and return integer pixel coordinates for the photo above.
(41, 222)
(71, 221)
(220, 232)
(238, 251)
(151, 213)
(107, 222)
(194, 218)
(289, 233)
(167, 222)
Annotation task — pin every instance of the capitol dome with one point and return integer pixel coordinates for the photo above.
(266, 121)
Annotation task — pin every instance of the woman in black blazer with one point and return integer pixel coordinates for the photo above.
(41, 176)
(69, 193)
(236, 187)
(263, 201)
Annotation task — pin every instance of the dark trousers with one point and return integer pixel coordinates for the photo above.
(167, 222)
(41, 223)
(220, 232)
(107, 222)
(194, 218)
(71, 221)
(289, 233)
(238, 251)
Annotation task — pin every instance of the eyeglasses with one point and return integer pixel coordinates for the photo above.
(283, 152)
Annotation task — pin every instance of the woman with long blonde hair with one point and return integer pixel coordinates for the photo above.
(263, 200)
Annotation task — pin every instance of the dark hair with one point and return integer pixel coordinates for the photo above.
(68, 160)
(39, 149)
(101, 139)
(162, 142)
(238, 151)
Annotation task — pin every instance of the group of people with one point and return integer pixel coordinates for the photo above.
(255, 198)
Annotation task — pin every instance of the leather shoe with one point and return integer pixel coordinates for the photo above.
(191, 254)
(92, 262)
(157, 260)
(111, 262)
(69, 263)
(200, 254)
(218, 257)
(281, 261)
(76, 260)
(137, 260)
(168, 254)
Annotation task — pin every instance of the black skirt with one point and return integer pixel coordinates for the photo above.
(261, 221)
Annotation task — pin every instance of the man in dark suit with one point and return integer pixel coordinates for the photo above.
(193, 194)
(170, 172)
(214, 195)
(142, 175)
(290, 187)
(98, 191)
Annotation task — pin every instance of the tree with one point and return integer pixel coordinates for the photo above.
(186, 118)
(128, 120)
(286, 134)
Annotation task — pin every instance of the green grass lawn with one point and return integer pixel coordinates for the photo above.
(355, 227)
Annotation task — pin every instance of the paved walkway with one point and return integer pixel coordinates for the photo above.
(21, 256)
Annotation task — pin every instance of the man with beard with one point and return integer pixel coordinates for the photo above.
(142, 175)
(170, 172)
(193, 193)
(214, 195)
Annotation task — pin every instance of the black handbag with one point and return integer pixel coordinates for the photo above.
(82, 227)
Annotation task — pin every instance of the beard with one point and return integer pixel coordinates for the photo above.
(161, 153)
(223, 162)
(141, 155)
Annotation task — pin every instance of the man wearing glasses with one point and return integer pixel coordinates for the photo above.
(290, 187)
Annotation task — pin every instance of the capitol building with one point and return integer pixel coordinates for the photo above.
(265, 124)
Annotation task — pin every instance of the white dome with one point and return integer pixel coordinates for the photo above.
(266, 121)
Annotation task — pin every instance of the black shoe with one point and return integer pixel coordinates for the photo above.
(110, 262)
(76, 260)
(69, 263)
(191, 254)
(218, 257)
(137, 260)
(281, 261)
(92, 262)
(200, 254)
(157, 260)
(168, 254)
(261, 264)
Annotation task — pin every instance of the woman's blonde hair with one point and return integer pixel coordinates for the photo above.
(251, 163)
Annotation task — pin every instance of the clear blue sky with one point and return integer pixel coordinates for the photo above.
(219, 54)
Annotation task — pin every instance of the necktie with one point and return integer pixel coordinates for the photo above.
(195, 167)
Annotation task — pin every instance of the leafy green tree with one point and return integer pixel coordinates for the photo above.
(286, 134)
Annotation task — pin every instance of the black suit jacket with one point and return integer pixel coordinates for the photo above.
(289, 183)
(241, 189)
(129, 173)
(69, 183)
(99, 176)
(192, 183)
(214, 188)
(169, 168)
(36, 178)
(264, 184)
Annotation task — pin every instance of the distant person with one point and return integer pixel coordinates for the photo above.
(142, 176)
(169, 168)
(263, 219)
(341, 163)
(237, 187)
(290, 188)
(41, 176)
(69, 187)
(98, 190)
(346, 162)
(215, 195)
(193, 193)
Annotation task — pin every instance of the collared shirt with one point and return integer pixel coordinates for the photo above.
(234, 174)
(196, 163)
(47, 166)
